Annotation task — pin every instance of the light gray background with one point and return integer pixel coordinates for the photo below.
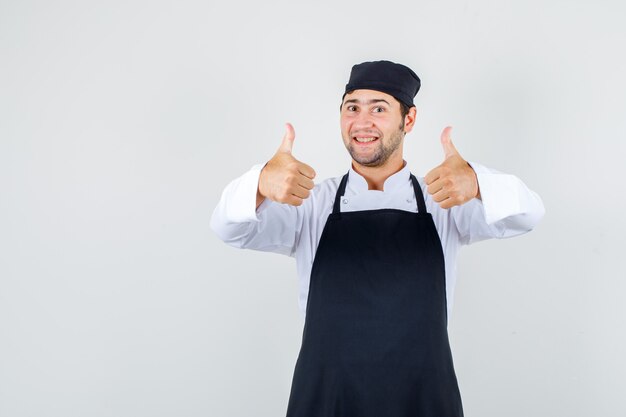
(121, 122)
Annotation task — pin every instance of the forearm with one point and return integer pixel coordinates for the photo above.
(241, 222)
(506, 208)
(234, 216)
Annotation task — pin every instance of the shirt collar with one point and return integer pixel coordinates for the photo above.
(359, 184)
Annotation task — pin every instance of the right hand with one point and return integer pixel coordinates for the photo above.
(284, 179)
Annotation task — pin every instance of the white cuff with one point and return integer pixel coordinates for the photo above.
(499, 193)
(242, 207)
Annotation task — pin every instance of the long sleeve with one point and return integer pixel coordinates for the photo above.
(271, 227)
(507, 208)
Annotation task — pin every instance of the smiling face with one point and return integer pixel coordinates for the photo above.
(372, 127)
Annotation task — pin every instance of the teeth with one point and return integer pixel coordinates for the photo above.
(365, 139)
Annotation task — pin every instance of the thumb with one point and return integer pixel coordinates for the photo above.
(446, 142)
(287, 143)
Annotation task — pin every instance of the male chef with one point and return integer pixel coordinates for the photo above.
(376, 251)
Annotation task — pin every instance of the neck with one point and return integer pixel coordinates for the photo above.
(376, 176)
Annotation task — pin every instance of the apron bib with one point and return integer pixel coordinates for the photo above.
(375, 339)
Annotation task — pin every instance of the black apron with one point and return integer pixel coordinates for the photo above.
(375, 339)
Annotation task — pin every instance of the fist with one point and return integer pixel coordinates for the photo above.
(453, 182)
(284, 179)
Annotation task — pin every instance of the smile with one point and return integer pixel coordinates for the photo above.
(365, 139)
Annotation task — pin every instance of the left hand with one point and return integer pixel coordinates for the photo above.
(453, 182)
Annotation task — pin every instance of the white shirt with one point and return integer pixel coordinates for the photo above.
(507, 208)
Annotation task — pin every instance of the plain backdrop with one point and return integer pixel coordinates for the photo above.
(122, 122)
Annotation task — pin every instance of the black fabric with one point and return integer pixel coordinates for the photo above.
(375, 340)
(397, 80)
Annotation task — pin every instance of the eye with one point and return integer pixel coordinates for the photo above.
(351, 107)
(382, 109)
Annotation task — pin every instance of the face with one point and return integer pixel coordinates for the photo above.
(371, 127)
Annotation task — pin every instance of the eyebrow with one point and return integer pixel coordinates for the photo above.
(374, 100)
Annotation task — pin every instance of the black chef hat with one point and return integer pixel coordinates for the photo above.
(394, 79)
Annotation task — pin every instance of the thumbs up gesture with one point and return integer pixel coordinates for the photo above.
(453, 182)
(284, 179)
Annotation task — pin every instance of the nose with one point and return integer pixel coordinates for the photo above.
(363, 120)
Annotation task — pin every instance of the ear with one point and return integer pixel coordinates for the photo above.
(409, 119)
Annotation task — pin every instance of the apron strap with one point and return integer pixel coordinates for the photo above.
(340, 192)
(421, 206)
(419, 196)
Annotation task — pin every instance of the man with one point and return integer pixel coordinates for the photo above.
(376, 252)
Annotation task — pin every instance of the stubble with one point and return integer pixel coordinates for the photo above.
(382, 152)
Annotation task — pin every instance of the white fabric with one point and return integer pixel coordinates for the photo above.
(507, 208)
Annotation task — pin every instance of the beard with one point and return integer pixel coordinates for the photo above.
(381, 153)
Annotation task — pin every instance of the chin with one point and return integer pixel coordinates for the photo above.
(368, 162)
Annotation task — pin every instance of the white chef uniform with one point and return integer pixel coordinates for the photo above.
(507, 208)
